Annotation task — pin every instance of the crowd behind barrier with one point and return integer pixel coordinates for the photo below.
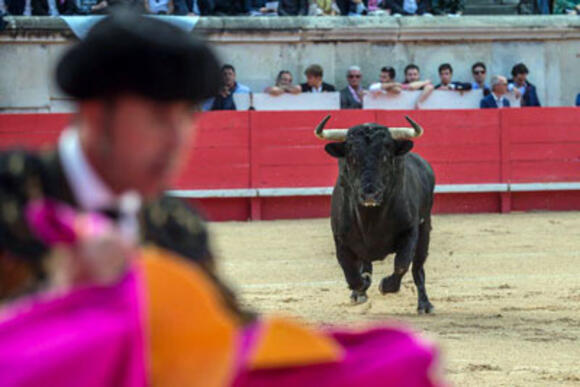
(386, 93)
(453, 8)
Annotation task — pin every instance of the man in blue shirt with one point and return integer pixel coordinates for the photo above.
(225, 99)
(479, 70)
(496, 98)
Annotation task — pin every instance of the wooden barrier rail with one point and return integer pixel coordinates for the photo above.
(269, 165)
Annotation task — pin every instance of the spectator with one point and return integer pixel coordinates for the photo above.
(283, 84)
(448, 7)
(478, 71)
(519, 84)
(496, 98)
(413, 82)
(407, 7)
(351, 97)
(445, 75)
(578, 100)
(570, 7)
(387, 83)
(292, 7)
(159, 7)
(225, 100)
(314, 83)
(232, 7)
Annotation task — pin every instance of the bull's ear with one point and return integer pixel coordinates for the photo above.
(403, 146)
(335, 149)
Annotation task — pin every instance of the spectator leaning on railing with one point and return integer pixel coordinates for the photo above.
(351, 97)
(314, 83)
(413, 82)
(446, 75)
(496, 98)
(387, 83)
(519, 84)
(283, 85)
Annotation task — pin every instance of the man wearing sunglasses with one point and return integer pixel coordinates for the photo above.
(351, 97)
(479, 72)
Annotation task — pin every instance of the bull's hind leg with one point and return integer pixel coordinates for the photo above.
(424, 306)
(353, 273)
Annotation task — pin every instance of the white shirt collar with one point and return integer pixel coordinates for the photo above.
(498, 100)
(89, 190)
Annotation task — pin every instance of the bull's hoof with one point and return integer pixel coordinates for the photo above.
(358, 297)
(390, 284)
(425, 308)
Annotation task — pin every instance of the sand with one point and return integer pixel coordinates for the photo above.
(506, 290)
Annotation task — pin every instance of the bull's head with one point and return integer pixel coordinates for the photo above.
(369, 156)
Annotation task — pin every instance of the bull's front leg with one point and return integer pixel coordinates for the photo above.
(405, 253)
(351, 267)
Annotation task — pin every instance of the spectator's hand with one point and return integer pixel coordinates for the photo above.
(443, 88)
(517, 93)
(99, 6)
(225, 92)
(275, 91)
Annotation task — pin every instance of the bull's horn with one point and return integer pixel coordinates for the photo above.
(329, 134)
(407, 133)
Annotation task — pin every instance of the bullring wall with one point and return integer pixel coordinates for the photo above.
(269, 165)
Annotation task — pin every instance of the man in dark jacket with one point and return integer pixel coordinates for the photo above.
(496, 98)
(446, 75)
(351, 97)
(314, 83)
(520, 82)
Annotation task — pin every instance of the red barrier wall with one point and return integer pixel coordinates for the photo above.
(278, 149)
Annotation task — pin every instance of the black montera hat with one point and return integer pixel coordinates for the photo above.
(128, 53)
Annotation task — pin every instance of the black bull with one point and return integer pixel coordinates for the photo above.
(381, 204)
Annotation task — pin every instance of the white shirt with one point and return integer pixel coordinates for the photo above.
(89, 190)
(498, 100)
(410, 6)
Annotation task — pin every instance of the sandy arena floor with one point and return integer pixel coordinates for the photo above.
(506, 289)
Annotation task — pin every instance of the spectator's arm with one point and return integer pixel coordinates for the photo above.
(294, 89)
(462, 86)
(419, 84)
(424, 95)
(274, 90)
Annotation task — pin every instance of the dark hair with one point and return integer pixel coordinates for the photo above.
(445, 66)
(390, 70)
(478, 64)
(411, 66)
(520, 68)
(139, 49)
(282, 72)
(314, 70)
(228, 67)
